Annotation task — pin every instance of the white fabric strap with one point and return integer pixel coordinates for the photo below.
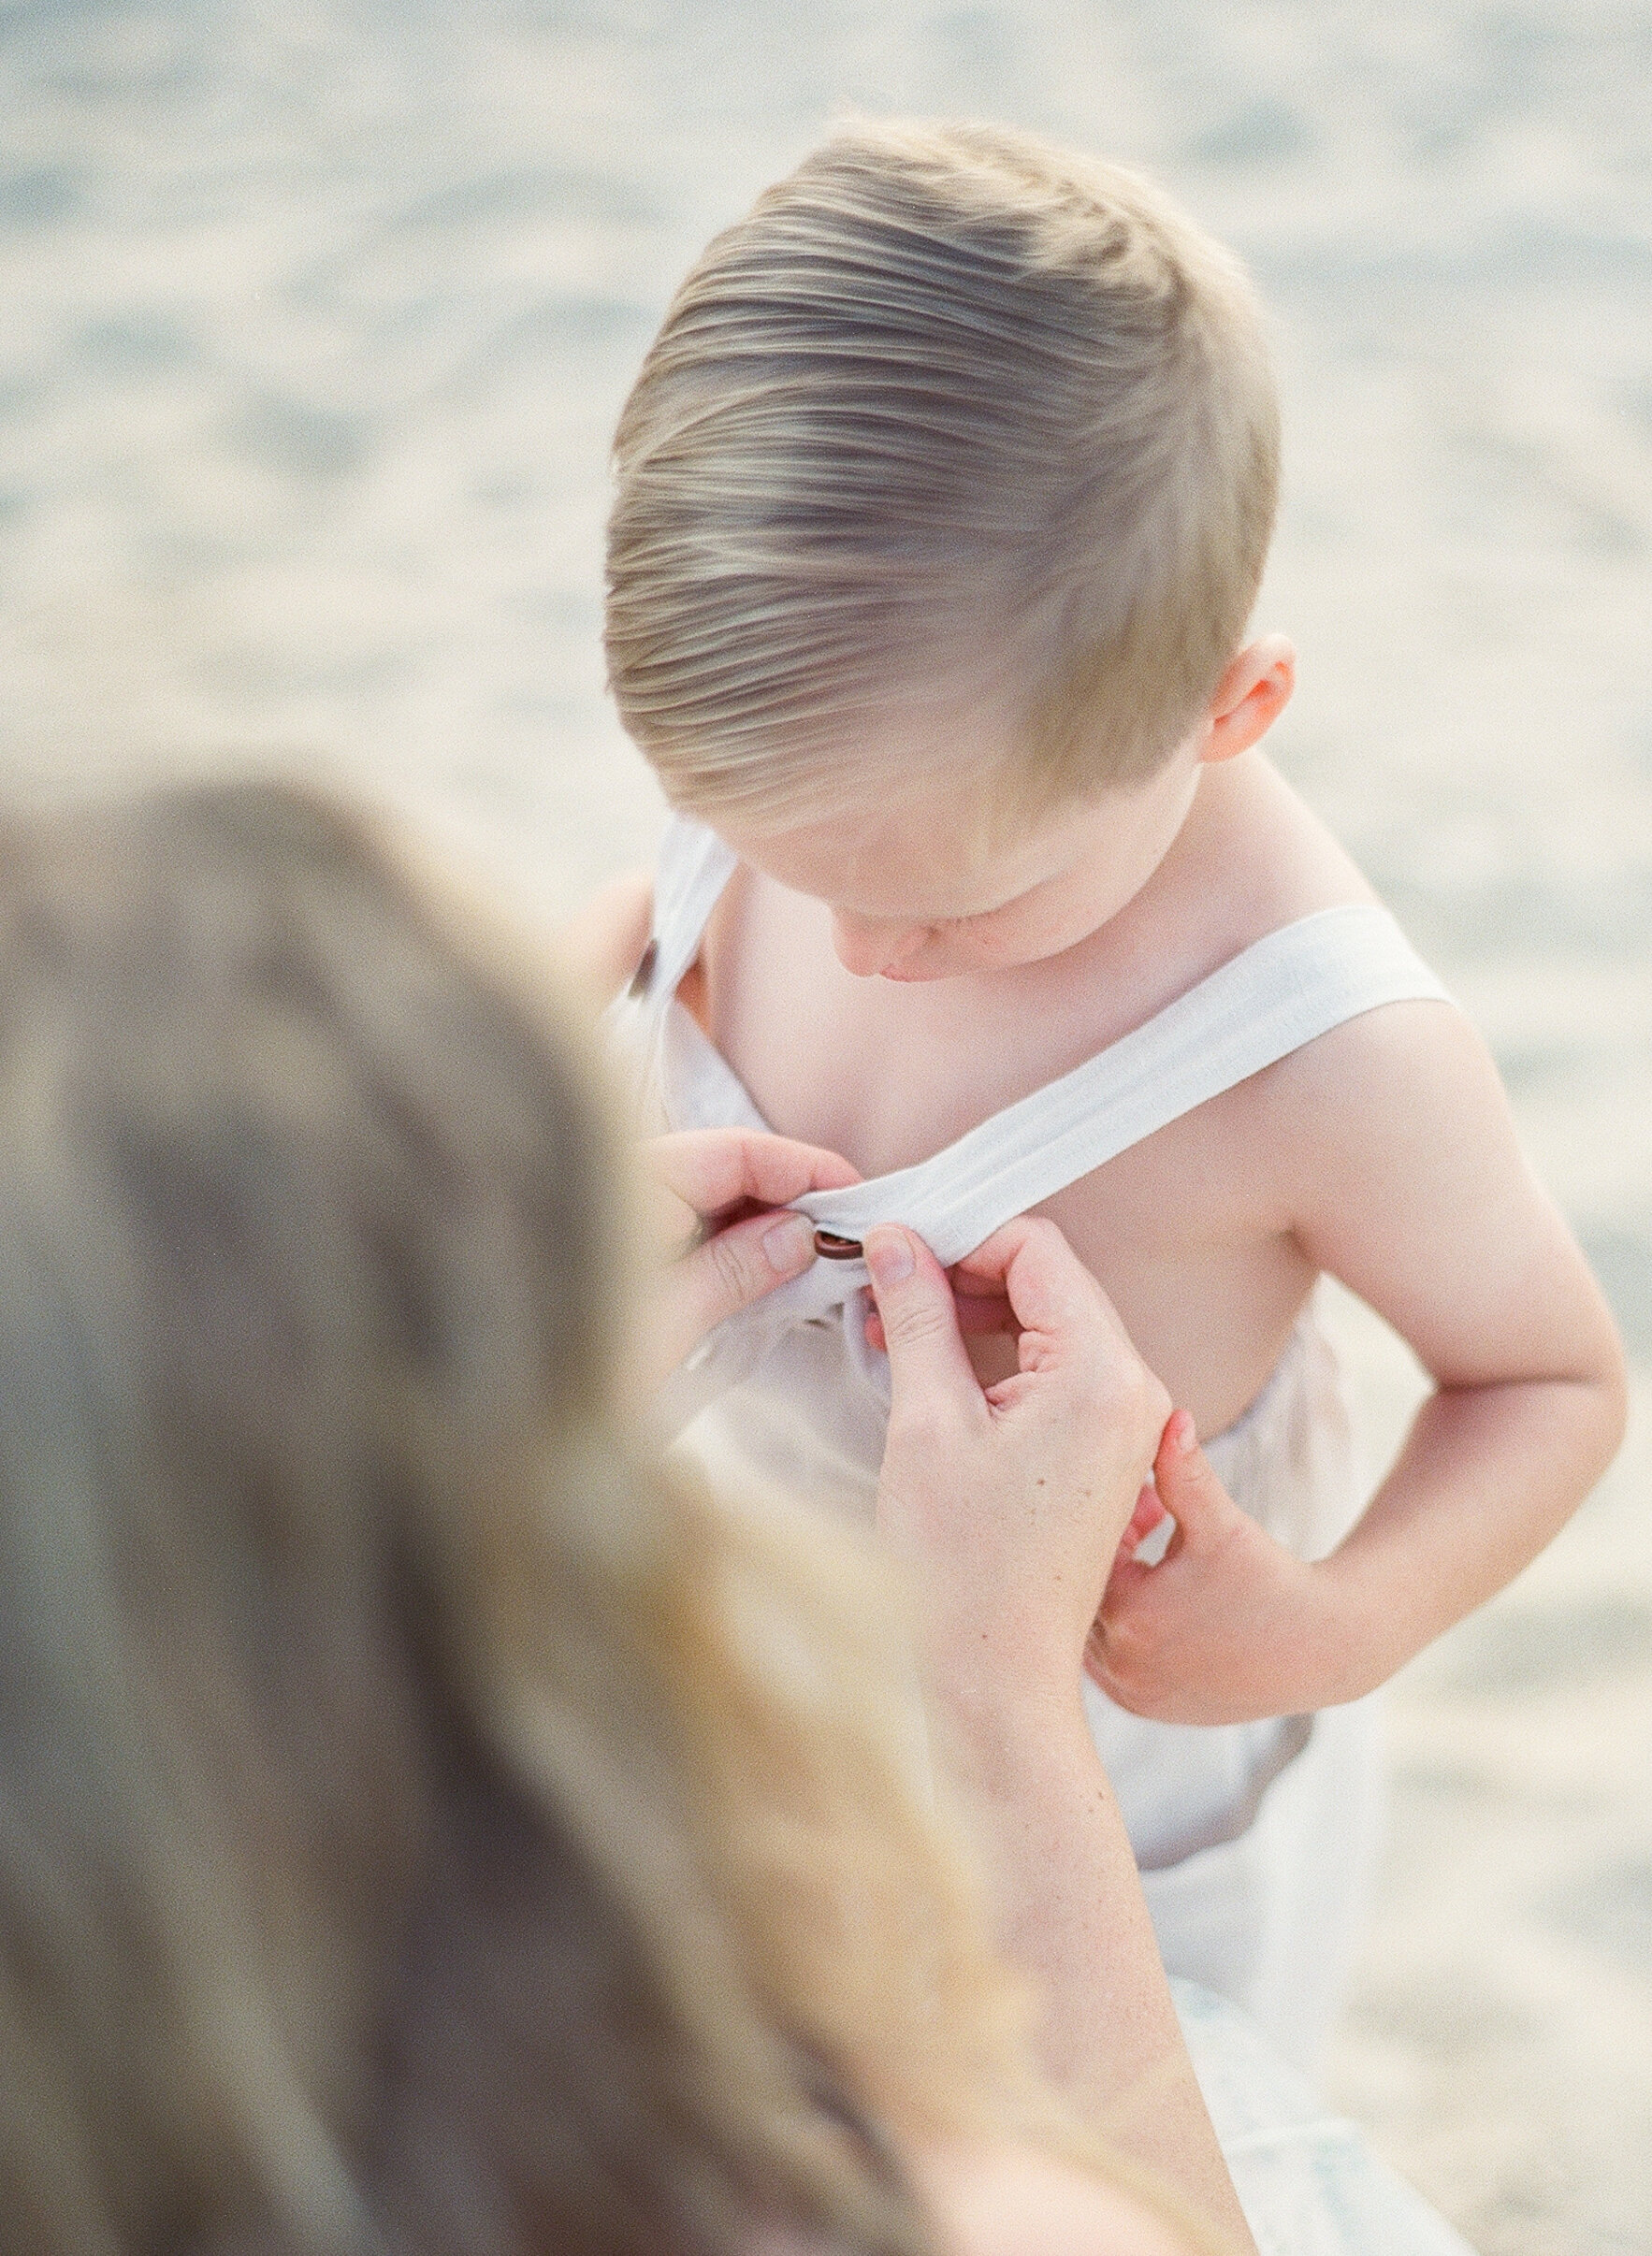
(1286, 990)
(694, 866)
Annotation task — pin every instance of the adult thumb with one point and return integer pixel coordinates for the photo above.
(927, 1356)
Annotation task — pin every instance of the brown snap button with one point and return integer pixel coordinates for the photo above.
(830, 1247)
(644, 971)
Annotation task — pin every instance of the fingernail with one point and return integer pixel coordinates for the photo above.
(789, 1246)
(1186, 1438)
(889, 1258)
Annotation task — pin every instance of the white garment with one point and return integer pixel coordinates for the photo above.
(1254, 1839)
(1307, 2181)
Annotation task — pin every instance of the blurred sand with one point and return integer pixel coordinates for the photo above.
(316, 319)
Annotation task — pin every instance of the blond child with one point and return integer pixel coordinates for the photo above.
(943, 497)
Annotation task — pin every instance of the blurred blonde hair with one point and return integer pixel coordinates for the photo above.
(421, 1825)
(950, 412)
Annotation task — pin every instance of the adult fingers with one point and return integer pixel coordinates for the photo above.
(1071, 1338)
(712, 1169)
(930, 1371)
(982, 1312)
(731, 1270)
(1048, 1288)
(978, 1313)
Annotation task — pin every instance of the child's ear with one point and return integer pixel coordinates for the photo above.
(1250, 697)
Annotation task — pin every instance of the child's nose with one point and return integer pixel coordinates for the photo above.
(866, 946)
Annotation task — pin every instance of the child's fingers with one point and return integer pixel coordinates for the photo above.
(1148, 1514)
(1187, 1487)
(1095, 1657)
(1125, 1584)
(1127, 1579)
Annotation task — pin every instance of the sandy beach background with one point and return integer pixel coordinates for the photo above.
(314, 318)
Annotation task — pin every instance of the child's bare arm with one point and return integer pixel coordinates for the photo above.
(1407, 1182)
(1429, 1212)
(600, 943)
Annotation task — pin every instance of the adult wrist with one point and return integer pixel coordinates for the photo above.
(1008, 1738)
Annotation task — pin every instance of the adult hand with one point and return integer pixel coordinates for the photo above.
(1009, 1503)
(716, 1192)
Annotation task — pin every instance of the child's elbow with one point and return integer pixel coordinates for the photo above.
(1617, 1399)
(1608, 1386)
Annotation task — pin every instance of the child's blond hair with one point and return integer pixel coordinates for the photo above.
(950, 405)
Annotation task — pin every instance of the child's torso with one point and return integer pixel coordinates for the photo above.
(1188, 1231)
(1250, 1835)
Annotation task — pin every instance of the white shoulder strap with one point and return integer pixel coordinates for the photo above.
(693, 868)
(1286, 990)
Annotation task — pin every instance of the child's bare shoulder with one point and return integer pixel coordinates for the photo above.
(599, 944)
(1260, 857)
(1251, 858)
(1387, 1138)
(1282, 864)
(1383, 1073)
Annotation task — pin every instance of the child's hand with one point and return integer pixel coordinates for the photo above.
(1230, 1625)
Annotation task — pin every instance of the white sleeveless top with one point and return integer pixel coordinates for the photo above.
(1283, 992)
(789, 1392)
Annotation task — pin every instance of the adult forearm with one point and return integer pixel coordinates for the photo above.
(1487, 1477)
(1007, 1509)
(1072, 1916)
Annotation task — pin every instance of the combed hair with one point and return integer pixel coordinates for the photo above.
(423, 1827)
(950, 410)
